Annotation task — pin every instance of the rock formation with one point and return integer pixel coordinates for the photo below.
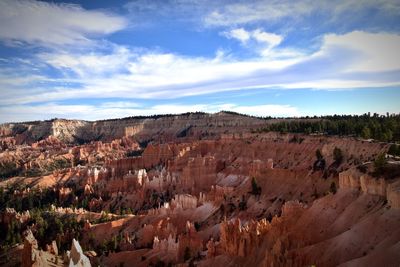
(33, 256)
(30, 254)
(76, 257)
(356, 180)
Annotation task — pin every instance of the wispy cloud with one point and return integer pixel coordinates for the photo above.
(268, 39)
(352, 60)
(239, 34)
(49, 24)
(89, 64)
(260, 42)
(250, 12)
(254, 11)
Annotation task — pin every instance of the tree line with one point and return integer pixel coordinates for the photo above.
(367, 126)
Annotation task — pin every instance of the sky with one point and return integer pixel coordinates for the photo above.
(110, 59)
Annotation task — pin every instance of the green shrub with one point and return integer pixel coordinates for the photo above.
(337, 155)
(380, 164)
(255, 189)
(394, 150)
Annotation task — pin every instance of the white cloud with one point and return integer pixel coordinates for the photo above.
(248, 12)
(37, 22)
(239, 34)
(343, 61)
(116, 110)
(89, 64)
(254, 11)
(268, 40)
(271, 39)
(377, 52)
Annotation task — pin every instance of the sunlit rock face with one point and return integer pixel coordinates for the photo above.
(32, 255)
(71, 131)
(75, 257)
(363, 182)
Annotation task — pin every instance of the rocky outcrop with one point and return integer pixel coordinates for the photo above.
(98, 151)
(242, 240)
(76, 257)
(167, 247)
(9, 215)
(7, 143)
(67, 210)
(211, 248)
(200, 173)
(349, 180)
(144, 128)
(52, 248)
(50, 142)
(184, 202)
(64, 193)
(158, 180)
(373, 186)
(32, 256)
(190, 242)
(354, 179)
(393, 194)
(30, 253)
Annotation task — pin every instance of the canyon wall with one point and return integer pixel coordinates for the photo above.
(356, 180)
(160, 128)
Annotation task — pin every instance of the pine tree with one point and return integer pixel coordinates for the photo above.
(366, 133)
(337, 155)
(255, 189)
(380, 164)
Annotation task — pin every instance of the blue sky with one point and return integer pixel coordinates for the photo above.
(107, 59)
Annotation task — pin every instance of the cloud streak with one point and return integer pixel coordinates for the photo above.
(269, 40)
(48, 24)
(351, 60)
(245, 12)
(251, 12)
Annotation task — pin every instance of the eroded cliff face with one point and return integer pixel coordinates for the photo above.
(211, 181)
(33, 256)
(355, 180)
(161, 128)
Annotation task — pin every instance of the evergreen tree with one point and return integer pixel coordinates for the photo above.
(380, 164)
(255, 189)
(337, 155)
(366, 133)
(394, 150)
